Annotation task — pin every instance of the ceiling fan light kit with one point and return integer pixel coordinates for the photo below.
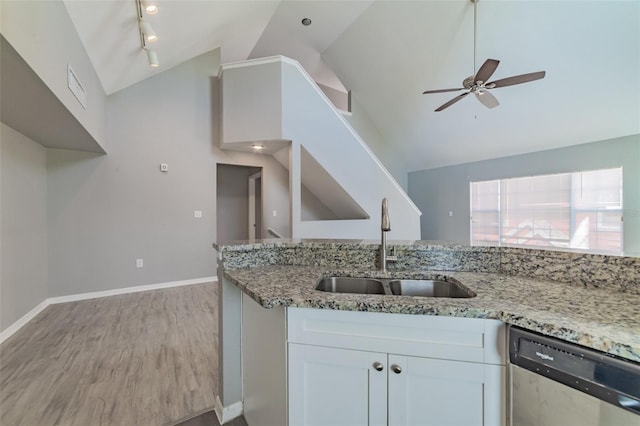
(478, 84)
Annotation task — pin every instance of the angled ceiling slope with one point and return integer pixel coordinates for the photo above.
(285, 35)
(388, 52)
(397, 49)
(186, 29)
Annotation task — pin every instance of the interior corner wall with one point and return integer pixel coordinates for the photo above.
(275, 196)
(311, 208)
(23, 225)
(42, 33)
(383, 149)
(440, 191)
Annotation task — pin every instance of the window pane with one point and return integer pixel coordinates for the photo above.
(598, 189)
(535, 210)
(571, 210)
(597, 198)
(485, 213)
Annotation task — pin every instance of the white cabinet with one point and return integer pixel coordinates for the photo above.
(332, 386)
(424, 391)
(359, 368)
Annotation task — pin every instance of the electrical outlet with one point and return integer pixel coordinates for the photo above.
(139, 263)
(197, 214)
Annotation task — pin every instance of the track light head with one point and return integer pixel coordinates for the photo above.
(152, 56)
(147, 31)
(150, 7)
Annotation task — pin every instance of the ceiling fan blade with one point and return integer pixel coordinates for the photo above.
(442, 91)
(487, 99)
(486, 70)
(452, 101)
(517, 79)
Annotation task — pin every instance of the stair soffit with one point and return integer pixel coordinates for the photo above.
(292, 62)
(327, 190)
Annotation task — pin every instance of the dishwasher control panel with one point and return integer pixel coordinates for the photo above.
(601, 375)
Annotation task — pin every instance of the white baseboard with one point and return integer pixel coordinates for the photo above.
(229, 412)
(8, 332)
(93, 295)
(117, 291)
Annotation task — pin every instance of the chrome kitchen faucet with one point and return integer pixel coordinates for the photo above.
(385, 227)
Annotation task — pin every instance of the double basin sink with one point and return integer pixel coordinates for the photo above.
(394, 287)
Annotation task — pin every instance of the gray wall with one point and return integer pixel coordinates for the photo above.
(75, 222)
(23, 225)
(104, 212)
(438, 191)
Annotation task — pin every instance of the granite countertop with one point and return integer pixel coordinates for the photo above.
(593, 317)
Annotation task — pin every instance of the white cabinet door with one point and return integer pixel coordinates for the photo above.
(329, 386)
(444, 393)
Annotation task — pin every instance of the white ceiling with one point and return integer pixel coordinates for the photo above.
(388, 51)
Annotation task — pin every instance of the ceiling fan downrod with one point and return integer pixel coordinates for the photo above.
(478, 83)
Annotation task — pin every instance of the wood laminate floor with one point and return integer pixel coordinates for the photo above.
(143, 359)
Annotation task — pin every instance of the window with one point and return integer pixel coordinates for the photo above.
(580, 210)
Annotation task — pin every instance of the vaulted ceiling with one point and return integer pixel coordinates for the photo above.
(387, 52)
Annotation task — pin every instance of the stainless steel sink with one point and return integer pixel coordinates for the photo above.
(429, 288)
(350, 285)
(393, 287)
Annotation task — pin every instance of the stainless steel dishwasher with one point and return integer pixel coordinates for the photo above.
(555, 383)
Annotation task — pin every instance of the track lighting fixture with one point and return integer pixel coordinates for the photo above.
(147, 31)
(147, 34)
(150, 7)
(152, 56)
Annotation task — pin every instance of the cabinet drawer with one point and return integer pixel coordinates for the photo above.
(464, 339)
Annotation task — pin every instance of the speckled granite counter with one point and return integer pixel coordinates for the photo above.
(597, 306)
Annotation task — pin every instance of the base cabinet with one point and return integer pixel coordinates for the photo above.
(333, 386)
(363, 380)
(437, 392)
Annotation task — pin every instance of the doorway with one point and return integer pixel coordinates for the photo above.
(255, 206)
(235, 215)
